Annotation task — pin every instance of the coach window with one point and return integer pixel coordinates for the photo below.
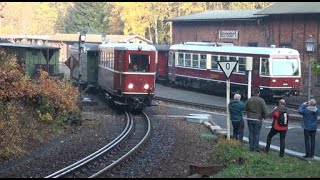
(223, 58)
(180, 59)
(203, 61)
(195, 60)
(264, 66)
(214, 62)
(187, 60)
(242, 65)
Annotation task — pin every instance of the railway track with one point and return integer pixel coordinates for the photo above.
(222, 109)
(106, 160)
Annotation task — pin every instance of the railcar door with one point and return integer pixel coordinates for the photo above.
(255, 73)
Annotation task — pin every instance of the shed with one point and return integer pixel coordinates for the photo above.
(35, 56)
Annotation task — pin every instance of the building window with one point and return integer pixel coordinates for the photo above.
(253, 44)
(285, 45)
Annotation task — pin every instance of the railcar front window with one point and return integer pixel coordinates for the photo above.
(285, 67)
(139, 63)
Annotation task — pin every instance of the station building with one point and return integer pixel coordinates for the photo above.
(284, 24)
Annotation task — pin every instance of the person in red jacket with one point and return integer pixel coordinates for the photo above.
(277, 128)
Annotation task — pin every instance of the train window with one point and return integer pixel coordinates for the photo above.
(187, 60)
(285, 67)
(203, 61)
(265, 66)
(139, 63)
(223, 58)
(180, 59)
(232, 58)
(214, 63)
(242, 65)
(195, 60)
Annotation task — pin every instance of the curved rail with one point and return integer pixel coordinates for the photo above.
(98, 160)
(131, 152)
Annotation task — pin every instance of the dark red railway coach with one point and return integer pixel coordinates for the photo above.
(276, 71)
(126, 73)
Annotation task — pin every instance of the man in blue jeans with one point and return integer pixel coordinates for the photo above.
(309, 123)
(256, 111)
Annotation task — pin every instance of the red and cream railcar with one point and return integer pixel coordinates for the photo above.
(276, 71)
(126, 73)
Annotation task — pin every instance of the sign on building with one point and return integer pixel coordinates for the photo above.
(228, 34)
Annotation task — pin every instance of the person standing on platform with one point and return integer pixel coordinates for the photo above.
(310, 113)
(236, 116)
(256, 111)
(280, 117)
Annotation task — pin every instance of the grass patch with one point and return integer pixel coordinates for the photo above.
(208, 136)
(257, 165)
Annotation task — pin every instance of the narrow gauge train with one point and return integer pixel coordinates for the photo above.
(123, 72)
(276, 71)
(126, 73)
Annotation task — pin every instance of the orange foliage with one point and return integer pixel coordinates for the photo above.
(15, 85)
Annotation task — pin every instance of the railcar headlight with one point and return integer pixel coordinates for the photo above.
(146, 86)
(273, 80)
(297, 80)
(130, 86)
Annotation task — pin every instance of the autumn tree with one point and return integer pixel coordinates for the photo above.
(88, 17)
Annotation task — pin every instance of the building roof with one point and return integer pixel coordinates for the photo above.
(291, 8)
(219, 15)
(90, 38)
(27, 46)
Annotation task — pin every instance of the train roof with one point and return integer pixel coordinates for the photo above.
(162, 47)
(128, 46)
(87, 46)
(236, 49)
(27, 46)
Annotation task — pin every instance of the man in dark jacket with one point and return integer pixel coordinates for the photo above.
(277, 128)
(309, 112)
(235, 108)
(256, 111)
